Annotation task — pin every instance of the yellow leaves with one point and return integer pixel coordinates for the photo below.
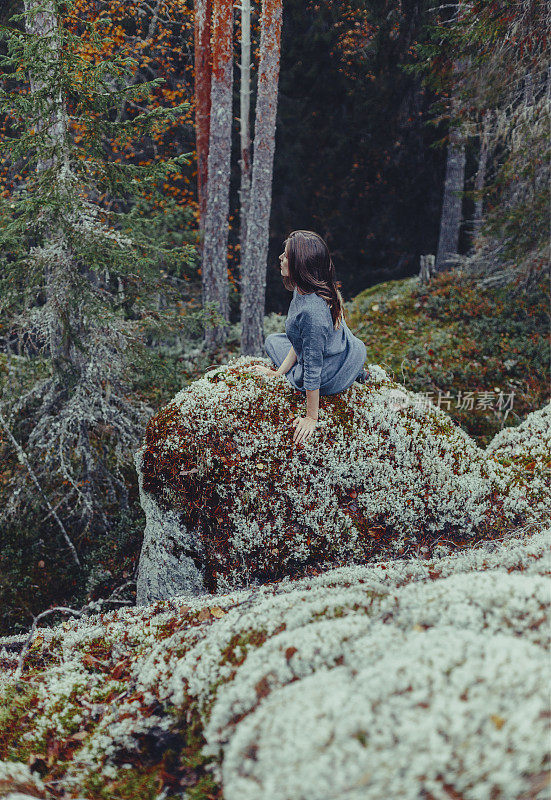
(206, 613)
(498, 721)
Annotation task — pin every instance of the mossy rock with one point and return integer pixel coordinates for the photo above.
(231, 501)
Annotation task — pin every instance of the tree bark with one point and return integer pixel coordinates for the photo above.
(51, 119)
(253, 267)
(451, 216)
(245, 101)
(481, 172)
(203, 79)
(215, 248)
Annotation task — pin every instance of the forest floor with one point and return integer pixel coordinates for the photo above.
(482, 355)
(410, 678)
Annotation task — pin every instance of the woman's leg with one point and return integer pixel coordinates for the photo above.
(277, 346)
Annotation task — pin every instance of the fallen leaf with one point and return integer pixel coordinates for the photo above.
(217, 612)
(262, 688)
(90, 661)
(119, 669)
(37, 763)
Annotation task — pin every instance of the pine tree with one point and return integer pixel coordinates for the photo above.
(79, 260)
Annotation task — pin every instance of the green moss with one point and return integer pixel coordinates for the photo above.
(107, 691)
(335, 612)
(129, 784)
(16, 707)
(190, 763)
(361, 736)
(455, 337)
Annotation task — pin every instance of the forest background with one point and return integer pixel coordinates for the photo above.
(396, 130)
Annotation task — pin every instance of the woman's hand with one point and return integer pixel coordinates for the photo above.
(304, 428)
(263, 370)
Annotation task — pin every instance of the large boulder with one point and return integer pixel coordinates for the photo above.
(231, 501)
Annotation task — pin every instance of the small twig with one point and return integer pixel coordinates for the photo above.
(22, 456)
(91, 606)
(28, 640)
(63, 500)
(116, 591)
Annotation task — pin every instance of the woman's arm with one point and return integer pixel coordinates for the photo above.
(304, 426)
(290, 360)
(312, 403)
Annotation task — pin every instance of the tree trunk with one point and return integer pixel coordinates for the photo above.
(253, 267)
(481, 172)
(203, 78)
(215, 247)
(51, 118)
(245, 101)
(451, 216)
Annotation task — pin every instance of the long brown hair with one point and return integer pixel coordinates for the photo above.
(311, 269)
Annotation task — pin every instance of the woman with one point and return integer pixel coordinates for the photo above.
(318, 354)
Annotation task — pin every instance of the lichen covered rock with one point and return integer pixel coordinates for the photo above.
(231, 501)
(527, 445)
(404, 678)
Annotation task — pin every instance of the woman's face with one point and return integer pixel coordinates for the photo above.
(284, 264)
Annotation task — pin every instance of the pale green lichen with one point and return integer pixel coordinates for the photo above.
(388, 669)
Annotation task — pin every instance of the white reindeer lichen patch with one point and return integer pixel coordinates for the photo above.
(406, 678)
(407, 714)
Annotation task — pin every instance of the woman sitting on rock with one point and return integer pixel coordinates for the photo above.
(318, 354)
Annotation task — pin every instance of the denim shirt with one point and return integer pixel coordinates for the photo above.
(327, 359)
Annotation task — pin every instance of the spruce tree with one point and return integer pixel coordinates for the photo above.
(80, 258)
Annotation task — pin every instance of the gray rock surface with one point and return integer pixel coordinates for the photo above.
(164, 569)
